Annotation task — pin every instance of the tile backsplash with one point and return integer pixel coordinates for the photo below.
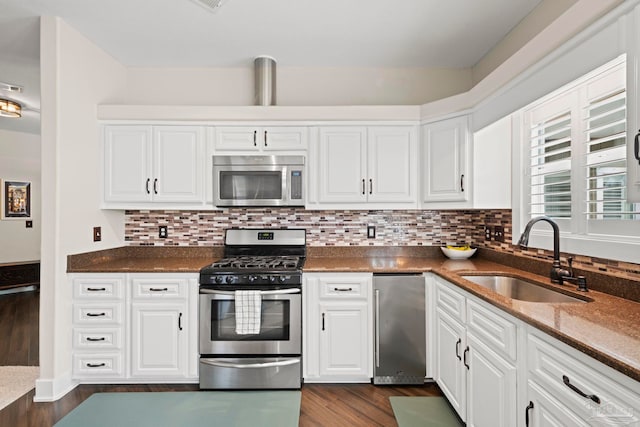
(348, 228)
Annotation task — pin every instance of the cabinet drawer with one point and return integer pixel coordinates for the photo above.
(97, 338)
(494, 330)
(565, 373)
(343, 287)
(98, 288)
(97, 314)
(450, 301)
(160, 288)
(87, 365)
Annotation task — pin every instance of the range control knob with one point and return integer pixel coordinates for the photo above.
(282, 279)
(273, 279)
(253, 279)
(219, 279)
(232, 279)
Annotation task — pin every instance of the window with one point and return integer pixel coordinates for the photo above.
(574, 164)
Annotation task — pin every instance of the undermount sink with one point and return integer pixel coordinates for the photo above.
(512, 287)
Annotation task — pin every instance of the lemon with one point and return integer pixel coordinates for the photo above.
(459, 248)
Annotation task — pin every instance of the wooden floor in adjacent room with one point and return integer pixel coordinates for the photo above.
(322, 404)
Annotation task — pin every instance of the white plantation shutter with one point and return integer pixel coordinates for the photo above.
(605, 159)
(550, 167)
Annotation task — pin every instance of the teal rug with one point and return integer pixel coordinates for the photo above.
(186, 409)
(423, 411)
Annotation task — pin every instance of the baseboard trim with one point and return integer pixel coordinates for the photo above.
(50, 390)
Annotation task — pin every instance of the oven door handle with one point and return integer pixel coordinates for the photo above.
(222, 364)
(276, 292)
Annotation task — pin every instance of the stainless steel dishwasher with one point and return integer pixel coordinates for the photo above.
(400, 338)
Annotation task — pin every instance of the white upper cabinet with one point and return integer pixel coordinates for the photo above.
(257, 139)
(492, 166)
(127, 163)
(445, 154)
(153, 164)
(367, 165)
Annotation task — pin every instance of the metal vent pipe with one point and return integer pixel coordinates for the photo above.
(265, 80)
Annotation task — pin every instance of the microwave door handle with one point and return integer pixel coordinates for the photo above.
(276, 292)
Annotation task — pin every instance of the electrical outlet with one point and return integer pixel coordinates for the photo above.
(97, 234)
(162, 232)
(371, 231)
(487, 232)
(498, 233)
(28, 223)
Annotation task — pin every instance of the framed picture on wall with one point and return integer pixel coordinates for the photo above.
(16, 199)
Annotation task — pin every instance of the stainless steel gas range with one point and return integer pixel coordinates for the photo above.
(251, 311)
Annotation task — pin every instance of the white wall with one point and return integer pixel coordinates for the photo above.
(76, 76)
(20, 161)
(295, 86)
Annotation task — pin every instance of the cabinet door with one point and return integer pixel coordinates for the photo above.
(283, 138)
(445, 177)
(177, 154)
(392, 164)
(344, 347)
(546, 411)
(158, 340)
(450, 373)
(491, 387)
(237, 138)
(342, 165)
(127, 164)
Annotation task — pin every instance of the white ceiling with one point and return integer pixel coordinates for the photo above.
(331, 33)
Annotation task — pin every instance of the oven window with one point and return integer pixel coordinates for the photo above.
(251, 185)
(274, 321)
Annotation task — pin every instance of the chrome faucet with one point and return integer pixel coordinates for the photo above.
(558, 274)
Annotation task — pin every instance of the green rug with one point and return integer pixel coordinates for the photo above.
(422, 411)
(186, 409)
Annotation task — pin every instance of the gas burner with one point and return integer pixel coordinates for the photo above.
(272, 263)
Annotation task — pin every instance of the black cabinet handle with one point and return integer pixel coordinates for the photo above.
(323, 321)
(636, 146)
(462, 183)
(180, 322)
(567, 382)
(526, 413)
(96, 314)
(458, 348)
(343, 289)
(96, 365)
(466, 350)
(155, 186)
(265, 138)
(158, 289)
(370, 186)
(363, 190)
(255, 136)
(147, 185)
(96, 289)
(95, 339)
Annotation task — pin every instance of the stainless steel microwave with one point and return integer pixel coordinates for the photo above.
(245, 180)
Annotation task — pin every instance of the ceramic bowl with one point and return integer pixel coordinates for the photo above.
(458, 254)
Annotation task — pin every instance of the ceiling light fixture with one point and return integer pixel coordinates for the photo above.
(10, 108)
(210, 5)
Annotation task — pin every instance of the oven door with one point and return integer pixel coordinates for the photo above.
(280, 324)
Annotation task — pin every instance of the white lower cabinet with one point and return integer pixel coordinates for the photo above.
(567, 388)
(135, 327)
(474, 367)
(338, 327)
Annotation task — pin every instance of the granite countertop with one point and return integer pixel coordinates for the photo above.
(607, 328)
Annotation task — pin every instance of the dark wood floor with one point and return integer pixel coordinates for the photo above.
(19, 314)
(322, 404)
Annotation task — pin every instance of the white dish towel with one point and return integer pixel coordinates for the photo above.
(248, 306)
